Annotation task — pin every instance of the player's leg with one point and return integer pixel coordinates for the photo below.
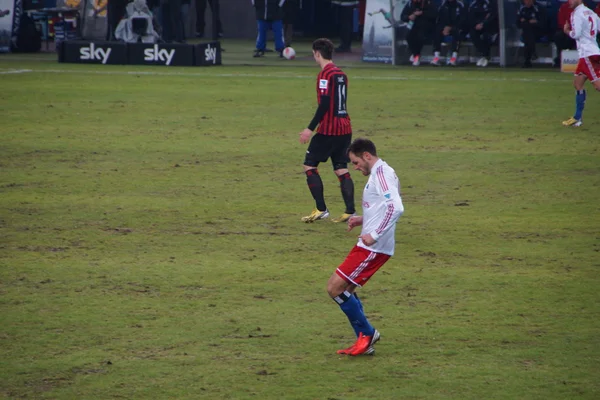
(437, 45)
(358, 267)
(528, 43)
(339, 161)
(455, 44)
(595, 71)
(486, 46)
(581, 75)
(411, 39)
(261, 38)
(318, 151)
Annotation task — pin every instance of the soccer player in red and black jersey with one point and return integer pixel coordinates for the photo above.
(334, 134)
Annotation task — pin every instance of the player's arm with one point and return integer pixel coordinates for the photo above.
(576, 27)
(324, 103)
(389, 192)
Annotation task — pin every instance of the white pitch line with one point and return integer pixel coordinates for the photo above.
(15, 71)
(284, 76)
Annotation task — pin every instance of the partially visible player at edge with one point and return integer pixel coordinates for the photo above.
(334, 134)
(583, 27)
(382, 206)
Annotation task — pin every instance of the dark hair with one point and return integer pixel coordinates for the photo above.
(361, 145)
(324, 47)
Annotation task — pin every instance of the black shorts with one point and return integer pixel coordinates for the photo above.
(323, 147)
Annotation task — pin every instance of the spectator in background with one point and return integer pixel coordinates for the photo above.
(290, 9)
(346, 21)
(420, 16)
(200, 15)
(115, 10)
(172, 28)
(531, 18)
(561, 40)
(451, 19)
(157, 21)
(269, 14)
(483, 25)
(185, 15)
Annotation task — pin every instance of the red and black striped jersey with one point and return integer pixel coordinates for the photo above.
(333, 82)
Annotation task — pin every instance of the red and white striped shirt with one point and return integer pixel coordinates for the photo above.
(382, 206)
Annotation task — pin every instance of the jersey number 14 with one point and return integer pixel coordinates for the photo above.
(340, 96)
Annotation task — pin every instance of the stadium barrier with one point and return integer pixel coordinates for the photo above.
(180, 55)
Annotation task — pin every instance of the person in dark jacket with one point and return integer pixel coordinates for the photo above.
(451, 19)
(531, 18)
(420, 16)
(483, 24)
(346, 21)
(269, 15)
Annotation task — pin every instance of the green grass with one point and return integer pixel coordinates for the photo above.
(151, 246)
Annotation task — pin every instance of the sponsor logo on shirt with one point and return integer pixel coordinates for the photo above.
(323, 84)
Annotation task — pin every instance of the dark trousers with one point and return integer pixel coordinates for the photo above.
(416, 37)
(482, 40)
(531, 33)
(172, 21)
(563, 42)
(200, 15)
(437, 39)
(346, 20)
(115, 11)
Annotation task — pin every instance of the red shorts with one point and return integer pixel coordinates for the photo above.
(360, 265)
(590, 67)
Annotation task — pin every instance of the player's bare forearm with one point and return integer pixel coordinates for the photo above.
(354, 222)
(367, 239)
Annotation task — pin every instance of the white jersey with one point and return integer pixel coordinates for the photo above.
(584, 28)
(382, 206)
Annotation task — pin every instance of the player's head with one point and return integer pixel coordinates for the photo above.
(575, 3)
(363, 155)
(322, 49)
(528, 3)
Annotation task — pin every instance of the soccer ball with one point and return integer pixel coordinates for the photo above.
(289, 53)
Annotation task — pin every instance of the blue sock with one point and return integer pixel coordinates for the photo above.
(351, 306)
(359, 302)
(579, 103)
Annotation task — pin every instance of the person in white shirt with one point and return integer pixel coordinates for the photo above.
(382, 206)
(583, 27)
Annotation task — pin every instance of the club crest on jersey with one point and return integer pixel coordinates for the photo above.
(323, 84)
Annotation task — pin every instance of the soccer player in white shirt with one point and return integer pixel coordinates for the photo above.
(382, 206)
(583, 27)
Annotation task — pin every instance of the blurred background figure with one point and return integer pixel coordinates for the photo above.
(531, 18)
(483, 25)
(200, 17)
(420, 16)
(451, 18)
(346, 21)
(561, 40)
(290, 9)
(269, 15)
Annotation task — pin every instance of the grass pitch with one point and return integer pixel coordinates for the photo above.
(151, 244)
